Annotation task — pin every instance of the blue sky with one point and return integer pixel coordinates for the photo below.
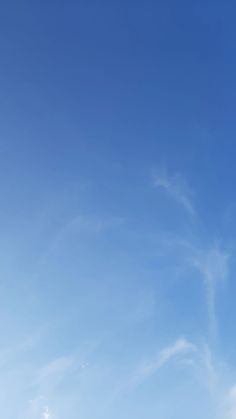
(117, 178)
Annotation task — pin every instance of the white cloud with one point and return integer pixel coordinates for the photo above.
(53, 373)
(213, 266)
(229, 405)
(38, 410)
(47, 379)
(46, 413)
(211, 376)
(179, 348)
(176, 187)
(82, 225)
(211, 262)
(34, 409)
(92, 224)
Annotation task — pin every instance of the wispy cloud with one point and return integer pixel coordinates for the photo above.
(46, 413)
(39, 410)
(81, 226)
(230, 404)
(46, 382)
(213, 266)
(211, 376)
(91, 224)
(50, 375)
(178, 348)
(210, 261)
(59, 365)
(176, 187)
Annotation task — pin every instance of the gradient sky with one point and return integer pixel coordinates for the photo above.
(118, 209)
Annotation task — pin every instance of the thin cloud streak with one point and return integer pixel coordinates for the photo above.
(211, 263)
(176, 187)
(81, 225)
(213, 266)
(179, 348)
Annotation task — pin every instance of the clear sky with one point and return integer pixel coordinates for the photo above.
(118, 209)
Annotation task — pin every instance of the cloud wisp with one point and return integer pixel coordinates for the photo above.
(211, 262)
(230, 404)
(81, 226)
(39, 410)
(180, 348)
(46, 413)
(176, 187)
(213, 266)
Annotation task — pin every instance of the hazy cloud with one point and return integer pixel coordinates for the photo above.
(179, 348)
(53, 373)
(213, 266)
(228, 405)
(46, 413)
(176, 187)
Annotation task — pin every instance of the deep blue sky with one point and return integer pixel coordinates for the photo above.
(117, 210)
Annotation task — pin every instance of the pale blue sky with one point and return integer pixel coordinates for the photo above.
(117, 175)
